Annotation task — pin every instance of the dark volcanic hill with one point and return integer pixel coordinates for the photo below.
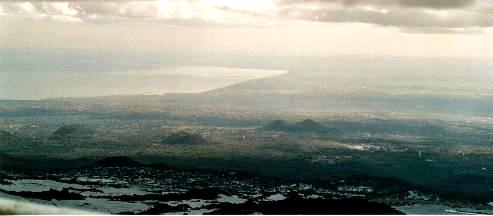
(277, 125)
(305, 126)
(311, 126)
(184, 138)
(72, 132)
(118, 161)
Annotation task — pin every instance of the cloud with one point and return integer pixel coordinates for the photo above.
(173, 12)
(398, 18)
(59, 11)
(437, 16)
(431, 4)
(437, 3)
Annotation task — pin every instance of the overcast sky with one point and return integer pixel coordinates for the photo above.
(254, 27)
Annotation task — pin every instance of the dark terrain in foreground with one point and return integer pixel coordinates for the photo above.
(137, 188)
(240, 159)
(122, 185)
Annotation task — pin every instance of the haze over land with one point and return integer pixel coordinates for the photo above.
(438, 86)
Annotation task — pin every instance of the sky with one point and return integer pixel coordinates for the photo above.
(255, 27)
(40, 37)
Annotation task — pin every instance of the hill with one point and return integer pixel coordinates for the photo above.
(277, 125)
(311, 126)
(305, 126)
(72, 132)
(184, 138)
(118, 161)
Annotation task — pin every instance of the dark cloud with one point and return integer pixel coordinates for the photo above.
(437, 16)
(398, 18)
(431, 4)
